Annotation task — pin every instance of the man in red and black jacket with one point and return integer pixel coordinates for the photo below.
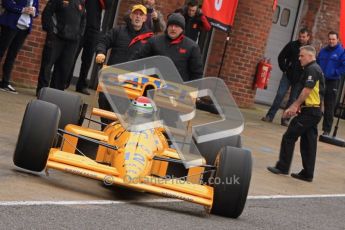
(195, 20)
(183, 51)
(124, 41)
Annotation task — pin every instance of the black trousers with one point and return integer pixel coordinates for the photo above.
(12, 41)
(62, 58)
(88, 45)
(44, 77)
(330, 98)
(305, 126)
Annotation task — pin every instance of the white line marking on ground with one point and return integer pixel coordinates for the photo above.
(295, 196)
(83, 202)
(110, 202)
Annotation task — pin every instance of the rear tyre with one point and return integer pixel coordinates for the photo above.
(209, 150)
(70, 105)
(231, 182)
(36, 135)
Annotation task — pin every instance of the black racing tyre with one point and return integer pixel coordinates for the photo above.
(231, 181)
(36, 135)
(209, 150)
(70, 105)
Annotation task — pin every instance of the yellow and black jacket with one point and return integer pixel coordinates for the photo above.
(313, 78)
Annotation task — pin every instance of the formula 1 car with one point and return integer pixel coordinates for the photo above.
(156, 143)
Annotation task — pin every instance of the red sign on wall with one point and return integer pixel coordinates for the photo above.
(220, 13)
(342, 22)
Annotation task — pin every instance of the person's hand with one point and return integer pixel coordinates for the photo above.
(65, 3)
(199, 12)
(291, 111)
(100, 58)
(154, 15)
(25, 10)
(29, 10)
(32, 10)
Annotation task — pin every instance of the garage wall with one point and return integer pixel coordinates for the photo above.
(283, 26)
(166, 7)
(321, 16)
(246, 46)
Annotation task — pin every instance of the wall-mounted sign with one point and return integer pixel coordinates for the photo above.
(220, 13)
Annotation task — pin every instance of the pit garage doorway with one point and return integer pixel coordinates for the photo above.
(282, 31)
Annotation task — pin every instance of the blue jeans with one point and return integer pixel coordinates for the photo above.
(284, 86)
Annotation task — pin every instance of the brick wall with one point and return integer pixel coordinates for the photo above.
(321, 17)
(248, 41)
(166, 7)
(245, 48)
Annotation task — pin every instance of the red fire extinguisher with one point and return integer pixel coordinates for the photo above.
(263, 73)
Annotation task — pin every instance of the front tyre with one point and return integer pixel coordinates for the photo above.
(231, 182)
(36, 135)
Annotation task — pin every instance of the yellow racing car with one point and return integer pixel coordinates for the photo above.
(158, 141)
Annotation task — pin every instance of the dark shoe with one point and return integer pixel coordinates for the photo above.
(83, 91)
(325, 133)
(266, 119)
(300, 176)
(284, 122)
(9, 88)
(277, 171)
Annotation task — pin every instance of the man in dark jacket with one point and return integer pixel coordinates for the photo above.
(124, 41)
(183, 51)
(65, 23)
(291, 68)
(91, 36)
(332, 62)
(195, 20)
